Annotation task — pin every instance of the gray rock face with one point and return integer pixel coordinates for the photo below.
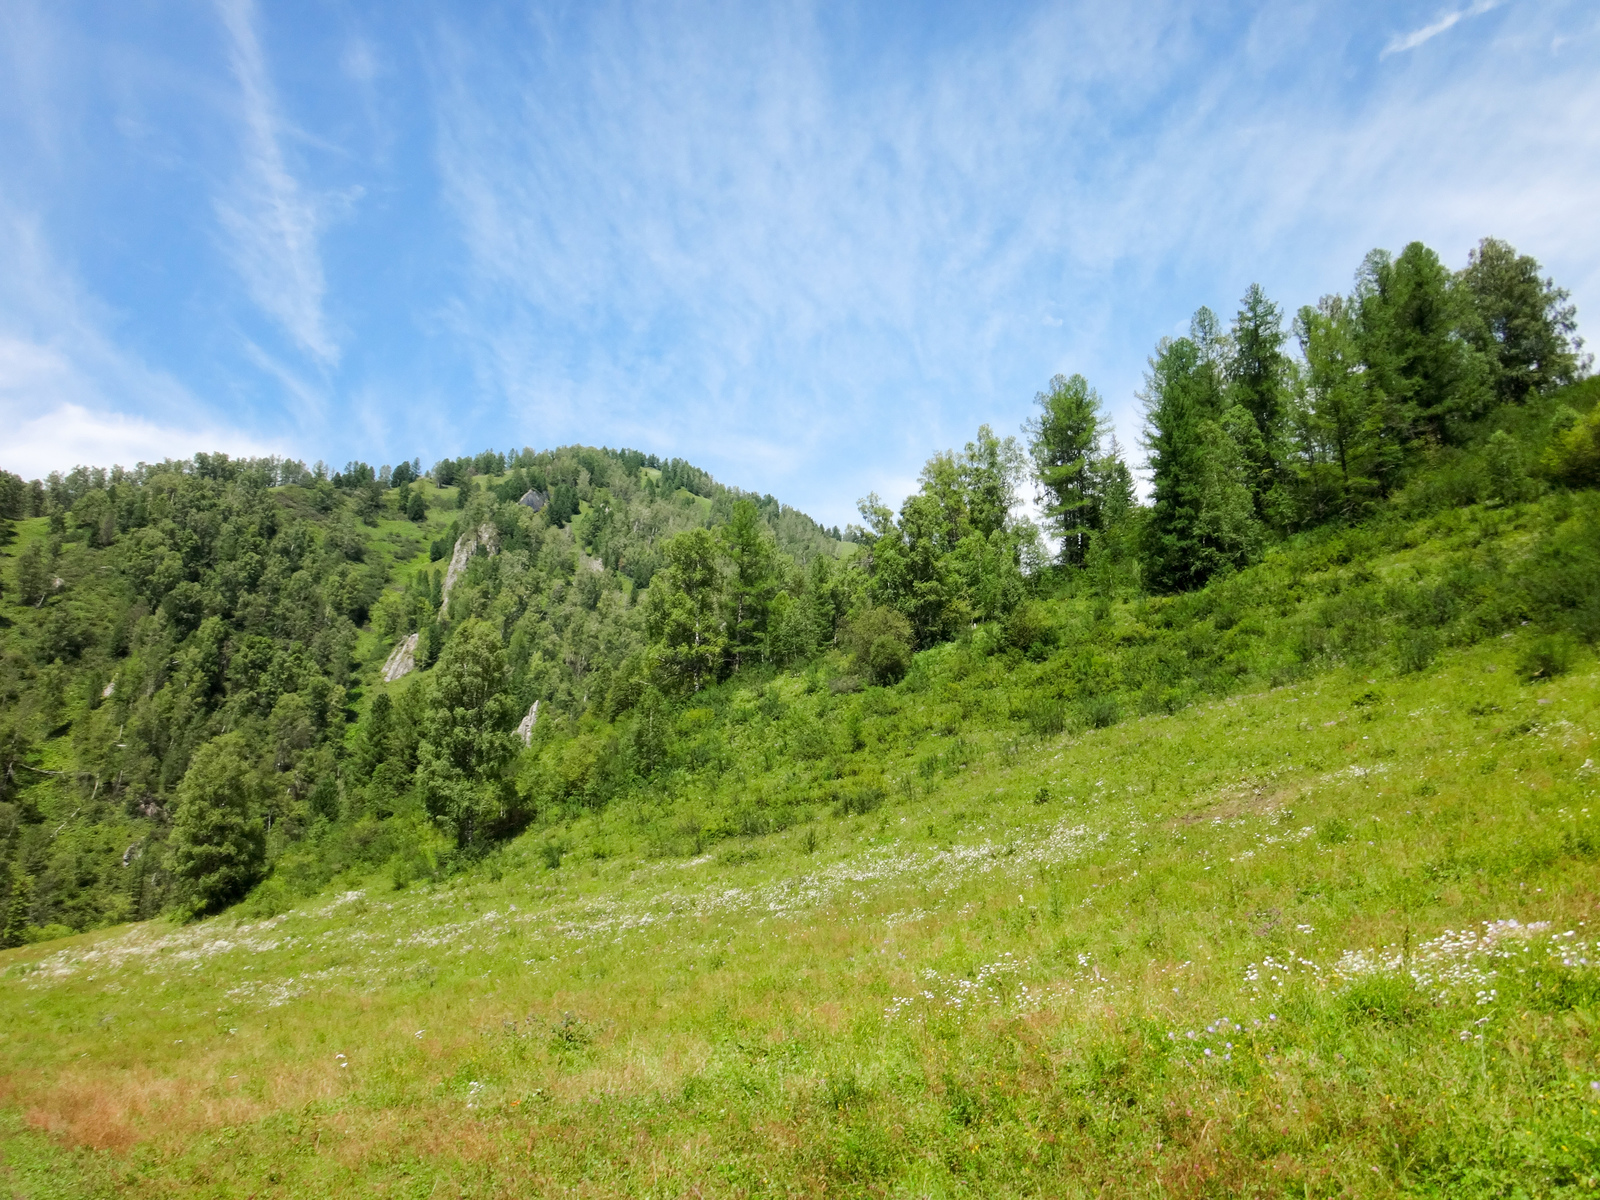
(525, 730)
(485, 535)
(402, 660)
(533, 499)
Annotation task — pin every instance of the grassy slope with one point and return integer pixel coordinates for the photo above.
(963, 993)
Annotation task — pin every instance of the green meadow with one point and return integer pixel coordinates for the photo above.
(566, 822)
(1324, 938)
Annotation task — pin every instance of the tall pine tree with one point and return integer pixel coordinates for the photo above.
(1257, 379)
(1424, 379)
(1525, 326)
(1202, 518)
(218, 846)
(1062, 440)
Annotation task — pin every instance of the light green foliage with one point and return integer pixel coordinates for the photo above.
(955, 554)
(1574, 454)
(1265, 942)
(684, 613)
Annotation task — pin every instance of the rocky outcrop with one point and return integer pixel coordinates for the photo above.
(525, 730)
(402, 660)
(466, 545)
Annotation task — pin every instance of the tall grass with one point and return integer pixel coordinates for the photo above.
(1330, 937)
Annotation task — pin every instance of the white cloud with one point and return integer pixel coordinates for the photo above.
(273, 224)
(69, 435)
(1410, 41)
(66, 388)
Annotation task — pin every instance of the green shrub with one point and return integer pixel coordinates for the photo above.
(1415, 650)
(1101, 712)
(888, 660)
(1046, 716)
(880, 640)
(1547, 656)
(858, 797)
(1574, 454)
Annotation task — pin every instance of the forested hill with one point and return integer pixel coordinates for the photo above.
(234, 616)
(242, 679)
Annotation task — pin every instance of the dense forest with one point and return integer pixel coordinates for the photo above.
(226, 679)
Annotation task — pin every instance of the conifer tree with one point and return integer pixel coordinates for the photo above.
(1423, 377)
(748, 545)
(1338, 442)
(1113, 556)
(19, 908)
(1062, 440)
(1525, 326)
(468, 736)
(1203, 516)
(218, 844)
(33, 575)
(684, 613)
(1257, 375)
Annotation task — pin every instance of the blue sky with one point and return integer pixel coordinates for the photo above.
(804, 246)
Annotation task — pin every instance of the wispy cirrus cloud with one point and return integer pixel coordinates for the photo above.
(272, 223)
(1400, 43)
(709, 232)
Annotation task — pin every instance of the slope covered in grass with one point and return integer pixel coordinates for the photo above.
(1326, 937)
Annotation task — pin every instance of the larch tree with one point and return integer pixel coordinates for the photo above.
(218, 846)
(468, 737)
(1202, 518)
(1063, 438)
(1257, 379)
(1523, 324)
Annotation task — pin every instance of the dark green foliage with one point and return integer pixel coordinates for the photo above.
(1258, 376)
(467, 741)
(218, 845)
(1064, 441)
(880, 640)
(18, 911)
(1423, 378)
(33, 575)
(15, 497)
(1524, 326)
(1547, 656)
(1202, 518)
